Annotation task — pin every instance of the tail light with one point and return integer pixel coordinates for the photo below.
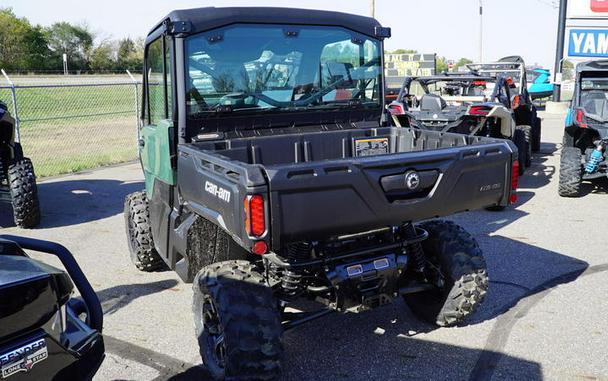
(514, 181)
(479, 110)
(479, 83)
(516, 102)
(580, 118)
(260, 248)
(510, 82)
(396, 109)
(255, 215)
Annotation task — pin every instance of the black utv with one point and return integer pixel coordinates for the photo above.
(17, 178)
(272, 175)
(467, 104)
(586, 134)
(524, 109)
(45, 333)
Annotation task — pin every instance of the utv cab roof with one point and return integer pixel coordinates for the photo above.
(190, 21)
(596, 65)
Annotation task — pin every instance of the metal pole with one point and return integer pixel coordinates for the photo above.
(480, 31)
(559, 52)
(15, 108)
(372, 8)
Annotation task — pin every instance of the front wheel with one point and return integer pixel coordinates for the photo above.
(455, 260)
(24, 193)
(139, 233)
(237, 322)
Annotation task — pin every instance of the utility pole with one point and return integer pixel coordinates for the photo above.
(480, 31)
(559, 52)
(372, 8)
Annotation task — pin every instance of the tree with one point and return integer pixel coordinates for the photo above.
(441, 65)
(405, 51)
(462, 62)
(567, 70)
(22, 46)
(102, 57)
(74, 41)
(129, 55)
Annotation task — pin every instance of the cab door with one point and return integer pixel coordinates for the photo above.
(156, 136)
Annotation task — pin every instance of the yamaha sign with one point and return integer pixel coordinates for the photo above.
(587, 42)
(587, 29)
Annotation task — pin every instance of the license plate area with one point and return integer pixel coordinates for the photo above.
(23, 359)
(371, 146)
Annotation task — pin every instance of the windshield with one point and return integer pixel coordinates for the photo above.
(593, 97)
(252, 68)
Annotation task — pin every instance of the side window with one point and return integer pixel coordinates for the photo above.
(158, 72)
(349, 63)
(168, 70)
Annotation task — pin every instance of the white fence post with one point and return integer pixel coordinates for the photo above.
(15, 108)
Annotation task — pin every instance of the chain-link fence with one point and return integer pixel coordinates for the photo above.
(70, 124)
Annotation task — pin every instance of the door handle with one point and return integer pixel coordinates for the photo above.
(141, 143)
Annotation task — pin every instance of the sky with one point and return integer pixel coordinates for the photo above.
(449, 28)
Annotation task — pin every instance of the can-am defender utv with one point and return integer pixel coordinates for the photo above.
(586, 134)
(17, 178)
(271, 175)
(45, 334)
(461, 103)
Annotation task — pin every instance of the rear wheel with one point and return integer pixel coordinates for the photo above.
(454, 256)
(24, 193)
(536, 134)
(237, 322)
(527, 131)
(519, 139)
(139, 234)
(570, 172)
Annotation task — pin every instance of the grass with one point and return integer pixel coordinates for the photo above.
(69, 129)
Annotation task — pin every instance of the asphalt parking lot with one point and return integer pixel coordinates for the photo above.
(545, 316)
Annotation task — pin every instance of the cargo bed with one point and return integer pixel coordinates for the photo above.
(322, 184)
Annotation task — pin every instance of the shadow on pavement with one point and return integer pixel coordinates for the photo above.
(540, 173)
(354, 351)
(382, 344)
(72, 202)
(6, 214)
(114, 298)
(597, 186)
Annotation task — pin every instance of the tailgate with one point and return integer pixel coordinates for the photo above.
(320, 199)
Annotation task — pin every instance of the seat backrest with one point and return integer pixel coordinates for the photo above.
(432, 102)
(593, 102)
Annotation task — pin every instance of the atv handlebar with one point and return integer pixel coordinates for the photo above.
(94, 311)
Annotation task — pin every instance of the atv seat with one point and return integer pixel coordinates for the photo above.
(432, 102)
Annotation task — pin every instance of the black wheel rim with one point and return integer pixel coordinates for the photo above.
(213, 334)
